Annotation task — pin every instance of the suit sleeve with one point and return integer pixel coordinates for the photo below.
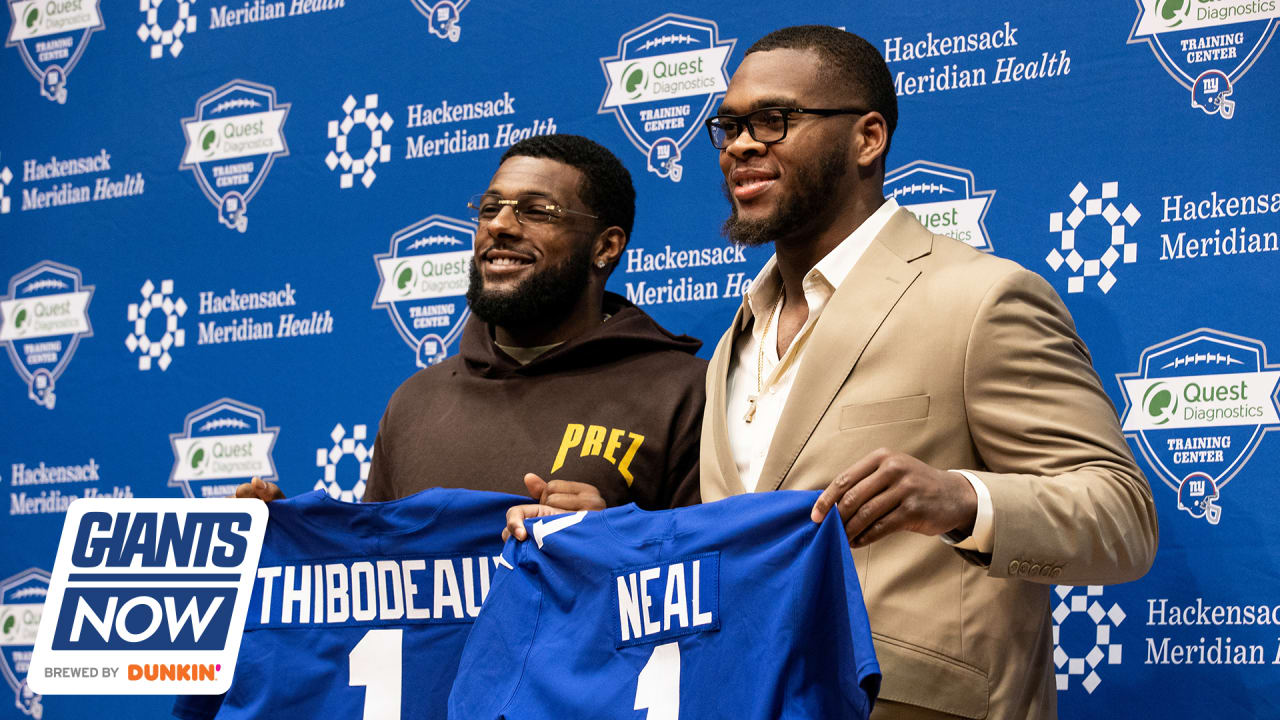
(1070, 504)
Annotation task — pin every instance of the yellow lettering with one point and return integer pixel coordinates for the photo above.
(595, 439)
(572, 436)
(614, 443)
(625, 464)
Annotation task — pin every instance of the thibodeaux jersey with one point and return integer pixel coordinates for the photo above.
(742, 608)
(361, 610)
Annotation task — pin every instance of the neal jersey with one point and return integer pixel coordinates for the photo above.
(742, 608)
(361, 610)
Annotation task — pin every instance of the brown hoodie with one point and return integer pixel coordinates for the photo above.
(619, 407)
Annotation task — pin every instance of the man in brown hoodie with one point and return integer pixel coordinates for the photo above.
(554, 375)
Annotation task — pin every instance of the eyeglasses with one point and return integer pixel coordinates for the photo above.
(529, 209)
(766, 125)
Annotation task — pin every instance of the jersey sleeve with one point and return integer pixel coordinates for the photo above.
(497, 650)
(841, 677)
(197, 707)
(857, 671)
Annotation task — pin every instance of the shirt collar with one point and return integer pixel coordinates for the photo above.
(833, 268)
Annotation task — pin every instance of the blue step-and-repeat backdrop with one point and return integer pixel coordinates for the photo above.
(208, 209)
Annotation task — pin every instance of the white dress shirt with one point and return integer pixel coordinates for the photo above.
(756, 370)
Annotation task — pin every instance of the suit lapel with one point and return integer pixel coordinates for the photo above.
(856, 310)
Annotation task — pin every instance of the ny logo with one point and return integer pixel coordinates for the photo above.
(1211, 85)
(1197, 488)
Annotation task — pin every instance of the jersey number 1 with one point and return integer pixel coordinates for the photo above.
(375, 663)
(658, 687)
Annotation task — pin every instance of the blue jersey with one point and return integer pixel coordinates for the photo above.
(742, 608)
(361, 610)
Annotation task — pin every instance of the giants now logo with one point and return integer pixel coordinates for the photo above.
(145, 580)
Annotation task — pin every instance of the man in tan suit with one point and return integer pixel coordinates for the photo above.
(924, 386)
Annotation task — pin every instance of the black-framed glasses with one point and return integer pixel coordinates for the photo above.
(529, 209)
(766, 125)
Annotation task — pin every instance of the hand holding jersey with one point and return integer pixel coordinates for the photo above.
(887, 492)
(554, 498)
(264, 490)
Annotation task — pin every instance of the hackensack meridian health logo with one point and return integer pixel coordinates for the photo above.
(1198, 407)
(361, 164)
(6, 176)
(21, 606)
(155, 325)
(423, 284)
(51, 37)
(442, 17)
(1206, 45)
(161, 35)
(222, 445)
(235, 136)
(1092, 253)
(662, 84)
(1092, 631)
(45, 315)
(330, 459)
(943, 199)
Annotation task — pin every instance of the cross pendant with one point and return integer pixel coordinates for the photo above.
(751, 408)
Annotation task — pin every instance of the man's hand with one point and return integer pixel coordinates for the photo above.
(264, 490)
(885, 492)
(554, 498)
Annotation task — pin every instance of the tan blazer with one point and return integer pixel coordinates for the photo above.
(965, 361)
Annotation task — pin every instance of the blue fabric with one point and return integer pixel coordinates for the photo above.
(304, 669)
(783, 630)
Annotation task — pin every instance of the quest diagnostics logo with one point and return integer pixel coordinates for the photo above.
(662, 84)
(1206, 45)
(45, 315)
(423, 284)
(222, 445)
(22, 599)
(51, 35)
(943, 199)
(1198, 407)
(1093, 251)
(232, 141)
(442, 17)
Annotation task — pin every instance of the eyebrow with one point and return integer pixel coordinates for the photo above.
(773, 101)
(520, 193)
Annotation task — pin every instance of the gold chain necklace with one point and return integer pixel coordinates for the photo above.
(752, 398)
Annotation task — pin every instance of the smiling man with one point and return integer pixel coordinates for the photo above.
(554, 375)
(939, 396)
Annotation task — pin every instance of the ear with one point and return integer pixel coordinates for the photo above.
(608, 247)
(871, 139)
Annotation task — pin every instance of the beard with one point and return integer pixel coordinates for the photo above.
(542, 297)
(803, 207)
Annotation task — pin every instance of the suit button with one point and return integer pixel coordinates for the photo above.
(1013, 567)
(1035, 569)
(1056, 572)
(1045, 571)
(1023, 567)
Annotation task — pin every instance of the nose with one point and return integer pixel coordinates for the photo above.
(504, 223)
(744, 144)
